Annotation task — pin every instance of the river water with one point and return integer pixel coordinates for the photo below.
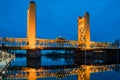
(57, 68)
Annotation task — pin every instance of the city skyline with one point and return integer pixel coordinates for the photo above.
(59, 18)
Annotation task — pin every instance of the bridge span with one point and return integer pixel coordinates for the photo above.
(51, 44)
(31, 42)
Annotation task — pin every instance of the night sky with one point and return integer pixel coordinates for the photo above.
(56, 18)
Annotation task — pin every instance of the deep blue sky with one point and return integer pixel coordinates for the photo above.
(59, 17)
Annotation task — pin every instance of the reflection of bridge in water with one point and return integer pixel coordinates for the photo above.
(32, 43)
(83, 72)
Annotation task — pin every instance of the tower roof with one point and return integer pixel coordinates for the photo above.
(32, 1)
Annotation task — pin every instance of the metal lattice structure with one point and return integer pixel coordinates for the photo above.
(31, 42)
(84, 31)
(22, 43)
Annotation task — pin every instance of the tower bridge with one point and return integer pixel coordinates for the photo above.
(31, 42)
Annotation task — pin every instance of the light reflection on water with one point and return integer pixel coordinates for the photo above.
(55, 61)
(45, 61)
(19, 61)
(108, 75)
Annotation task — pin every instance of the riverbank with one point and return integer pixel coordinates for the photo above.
(6, 59)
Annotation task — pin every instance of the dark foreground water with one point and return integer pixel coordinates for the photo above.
(59, 68)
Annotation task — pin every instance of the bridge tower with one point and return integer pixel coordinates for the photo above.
(84, 31)
(31, 32)
(31, 25)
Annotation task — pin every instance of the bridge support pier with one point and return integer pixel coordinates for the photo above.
(33, 54)
(34, 63)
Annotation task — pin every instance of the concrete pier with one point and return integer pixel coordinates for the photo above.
(33, 53)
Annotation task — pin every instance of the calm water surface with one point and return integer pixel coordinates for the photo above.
(52, 68)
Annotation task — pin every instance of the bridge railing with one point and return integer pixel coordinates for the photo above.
(105, 45)
(23, 42)
(56, 43)
(13, 42)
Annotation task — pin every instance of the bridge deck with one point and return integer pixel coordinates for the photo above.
(50, 44)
